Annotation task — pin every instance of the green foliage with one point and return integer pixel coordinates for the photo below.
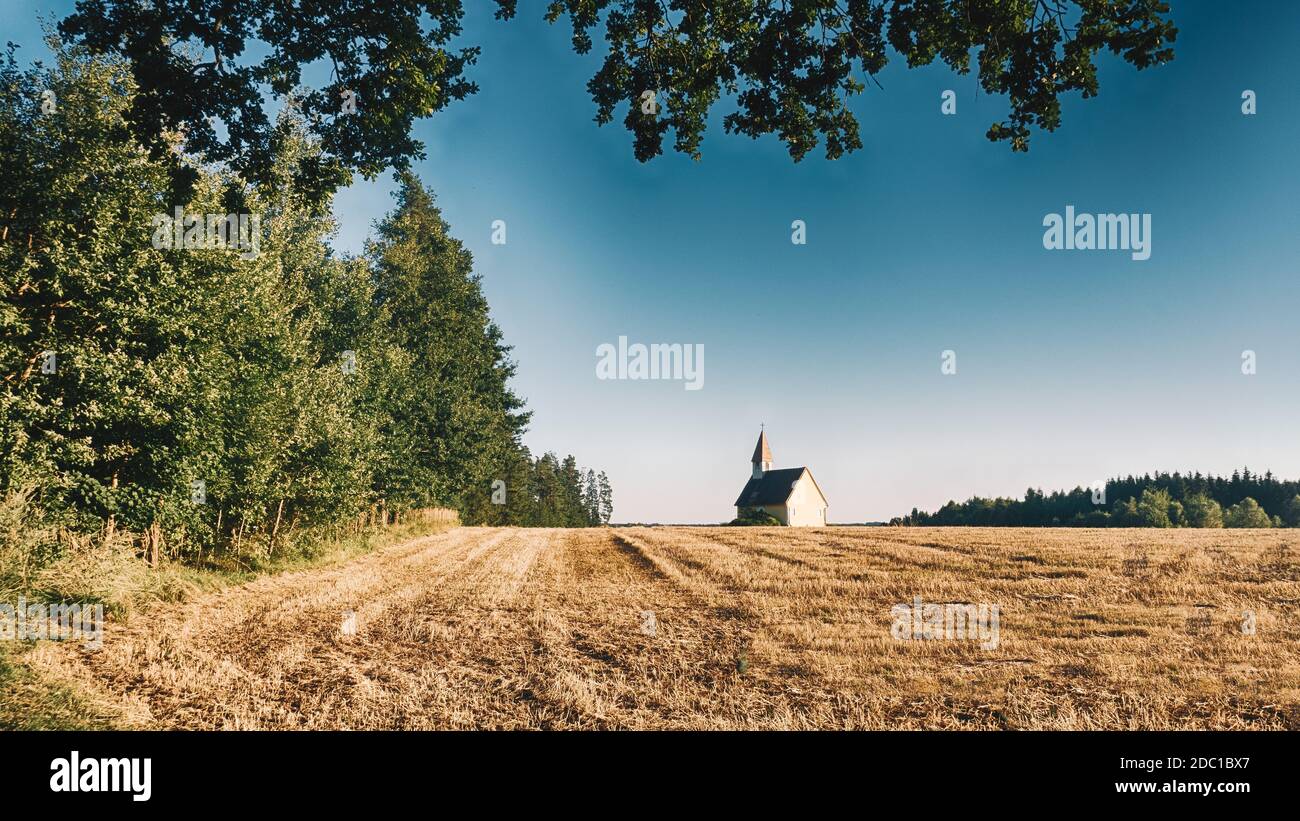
(1246, 513)
(1202, 511)
(452, 419)
(1177, 515)
(542, 492)
(1093, 518)
(1125, 513)
(195, 70)
(1291, 512)
(27, 544)
(605, 498)
(1153, 509)
(794, 66)
(591, 498)
(115, 313)
(1153, 500)
(755, 517)
(791, 68)
(176, 366)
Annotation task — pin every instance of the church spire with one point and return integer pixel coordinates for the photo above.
(762, 459)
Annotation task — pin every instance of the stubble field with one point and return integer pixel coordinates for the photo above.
(751, 628)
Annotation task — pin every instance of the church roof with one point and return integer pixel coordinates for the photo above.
(773, 489)
(762, 453)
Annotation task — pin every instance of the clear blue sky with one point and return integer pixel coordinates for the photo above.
(1071, 366)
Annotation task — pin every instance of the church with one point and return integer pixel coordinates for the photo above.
(789, 494)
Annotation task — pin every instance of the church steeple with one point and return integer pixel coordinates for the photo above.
(762, 459)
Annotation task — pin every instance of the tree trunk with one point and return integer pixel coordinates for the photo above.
(153, 544)
(275, 528)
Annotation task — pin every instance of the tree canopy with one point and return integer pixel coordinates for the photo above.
(203, 70)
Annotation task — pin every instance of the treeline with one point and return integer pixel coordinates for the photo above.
(543, 492)
(213, 388)
(1152, 500)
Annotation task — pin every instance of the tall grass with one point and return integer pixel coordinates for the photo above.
(116, 568)
(43, 562)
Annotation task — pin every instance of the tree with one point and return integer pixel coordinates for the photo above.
(571, 479)
(182, 374)
(521, 500)
(1096, 518)
(94, 320)
(591, 498)
(1246, 513)
(791, 66)
(195, 70)
(1177, 515)
(226, 399)
(1153, 509)
(606, 495)
(1291, 512)
(546, 492)
(1202, 511)
(454, 419)
(1125, 513)
(549, 492)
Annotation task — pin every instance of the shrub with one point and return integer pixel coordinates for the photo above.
(1153, 509)
(755, 517)
(27, 543)
(1201, 511)
(1246, 513)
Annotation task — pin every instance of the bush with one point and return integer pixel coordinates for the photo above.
(1125, 513)
(1153, 509)
(27, 543)
(755, 517)
(1247, 513)
(1201, 511)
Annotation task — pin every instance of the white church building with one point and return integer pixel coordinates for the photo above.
(789, 494)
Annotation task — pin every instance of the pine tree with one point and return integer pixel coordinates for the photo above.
(456, 419)
(591, 498)
(606, 497)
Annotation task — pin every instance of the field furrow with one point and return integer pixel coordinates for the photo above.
(676, 627)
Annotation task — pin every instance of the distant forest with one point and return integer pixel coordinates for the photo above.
(542, 492)
(1161, 500)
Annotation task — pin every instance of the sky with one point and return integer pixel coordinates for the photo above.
(1071, 366)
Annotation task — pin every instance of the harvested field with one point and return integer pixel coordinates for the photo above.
(751, 628)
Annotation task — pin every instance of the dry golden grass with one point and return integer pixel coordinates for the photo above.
(756, 628)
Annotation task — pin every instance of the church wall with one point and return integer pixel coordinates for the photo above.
(807, 505)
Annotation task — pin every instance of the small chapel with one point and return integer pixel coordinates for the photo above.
(789, 494)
